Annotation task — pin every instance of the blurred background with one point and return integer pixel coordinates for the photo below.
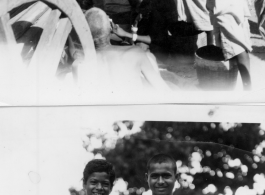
(211, 158)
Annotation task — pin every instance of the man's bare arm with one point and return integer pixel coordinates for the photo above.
(122, 33)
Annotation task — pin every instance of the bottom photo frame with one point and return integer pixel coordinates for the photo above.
(160, 150)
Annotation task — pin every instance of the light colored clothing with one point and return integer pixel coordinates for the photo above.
(194, 11)
(231, 27)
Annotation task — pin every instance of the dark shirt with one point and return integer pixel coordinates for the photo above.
(157, 17)
(85, 4)
(118, 10)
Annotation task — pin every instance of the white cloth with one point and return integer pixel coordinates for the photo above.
(231, 28)
(153, 61)
(194, 11)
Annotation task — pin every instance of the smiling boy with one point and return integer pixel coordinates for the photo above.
(98, 177)
(161, 174)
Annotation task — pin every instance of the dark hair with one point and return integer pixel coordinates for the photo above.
(99, 165)
(161, 158)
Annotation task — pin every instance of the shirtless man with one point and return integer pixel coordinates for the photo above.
(120, 67)
(161, 174)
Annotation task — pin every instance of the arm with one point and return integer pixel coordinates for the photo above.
(122, 33)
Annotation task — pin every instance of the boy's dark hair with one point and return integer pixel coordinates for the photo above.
(99, 165)
(161, 158)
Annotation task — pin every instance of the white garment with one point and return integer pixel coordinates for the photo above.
(194, 11)
(231, 28)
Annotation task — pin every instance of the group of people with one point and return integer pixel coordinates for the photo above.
(154, 25)
(99, 176)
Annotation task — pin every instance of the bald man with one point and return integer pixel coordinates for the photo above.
(120, 67)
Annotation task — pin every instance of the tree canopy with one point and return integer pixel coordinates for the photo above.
(218, 154)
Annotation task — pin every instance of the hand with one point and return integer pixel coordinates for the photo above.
(119, 31)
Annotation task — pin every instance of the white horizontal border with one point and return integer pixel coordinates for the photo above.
(181, 97)
(185, 113)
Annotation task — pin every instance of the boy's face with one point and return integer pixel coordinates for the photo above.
(161, 178)
(98, 183)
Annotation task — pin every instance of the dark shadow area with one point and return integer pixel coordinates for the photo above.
(19, 9)
(183, 44)
(259, 52)
(120, 18)
(184, 38)
(20, 28)
(30, 40)
(85, 4)
(29, 36)
(254, 29)
(53, 7)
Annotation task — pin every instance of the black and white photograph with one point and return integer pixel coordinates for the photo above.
(132, 151)
(87, 52)
(132, 97)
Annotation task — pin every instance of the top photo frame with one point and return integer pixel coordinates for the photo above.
(114, 52)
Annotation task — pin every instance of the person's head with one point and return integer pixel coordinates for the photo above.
(98, 177)
(99, 25)
(161, 174)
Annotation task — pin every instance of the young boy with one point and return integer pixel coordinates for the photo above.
(161, 174)
(231, 33)
(98, 178)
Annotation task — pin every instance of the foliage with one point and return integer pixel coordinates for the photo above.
(205, 152)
